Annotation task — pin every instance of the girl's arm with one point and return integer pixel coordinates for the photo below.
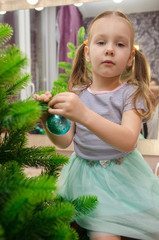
(122, 137)
(62, 141)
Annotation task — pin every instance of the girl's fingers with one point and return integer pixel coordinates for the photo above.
(60, 98)
(48, 94)
(35, 96)
(43, 97)
(55, 111)
(57, 99)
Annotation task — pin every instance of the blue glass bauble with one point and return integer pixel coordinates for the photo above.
(57, 124)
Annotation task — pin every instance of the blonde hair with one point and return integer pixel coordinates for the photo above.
(137, 74)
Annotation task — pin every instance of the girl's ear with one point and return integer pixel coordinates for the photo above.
(130, 60)
(87, 55)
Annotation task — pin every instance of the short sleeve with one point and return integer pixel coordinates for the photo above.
(128, 100)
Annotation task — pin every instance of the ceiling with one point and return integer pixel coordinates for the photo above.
(91, 9)
(11, 5)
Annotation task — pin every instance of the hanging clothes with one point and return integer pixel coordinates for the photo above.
(69, 21)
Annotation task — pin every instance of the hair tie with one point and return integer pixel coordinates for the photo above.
(86, 42)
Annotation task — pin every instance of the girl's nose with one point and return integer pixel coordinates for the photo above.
(109, 51)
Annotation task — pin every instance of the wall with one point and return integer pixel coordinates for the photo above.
(146, 27)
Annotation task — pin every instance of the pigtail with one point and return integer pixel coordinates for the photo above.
(79, 79)
(141, 71)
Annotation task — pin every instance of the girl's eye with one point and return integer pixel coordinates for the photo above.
(100, 43)
(120, 44)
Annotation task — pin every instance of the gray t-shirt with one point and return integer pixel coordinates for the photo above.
(110, 105)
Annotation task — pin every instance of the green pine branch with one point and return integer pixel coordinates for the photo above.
(17, 114)
(12, 141)
(22, 194)
(1, 233)
(80, 36)
(83, 204)
(30, 208)
(65, 233)
(15, 60)
(2, 94)
(60, 211)
(21, 83)
(13, 147)
(71, 54)
(45, 157)
(6, 32)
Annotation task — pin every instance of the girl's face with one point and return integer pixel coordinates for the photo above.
(109, 49)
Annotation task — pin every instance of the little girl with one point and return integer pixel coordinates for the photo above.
(106, 106)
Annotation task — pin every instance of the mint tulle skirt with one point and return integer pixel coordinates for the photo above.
(128, 195)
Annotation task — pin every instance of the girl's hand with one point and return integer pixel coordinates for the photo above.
(43, 97)
(66, 139)
(69, 105)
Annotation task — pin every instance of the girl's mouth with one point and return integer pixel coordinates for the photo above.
(108, 62)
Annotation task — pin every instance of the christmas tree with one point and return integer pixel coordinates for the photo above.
(66, 66)
(30, 208)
